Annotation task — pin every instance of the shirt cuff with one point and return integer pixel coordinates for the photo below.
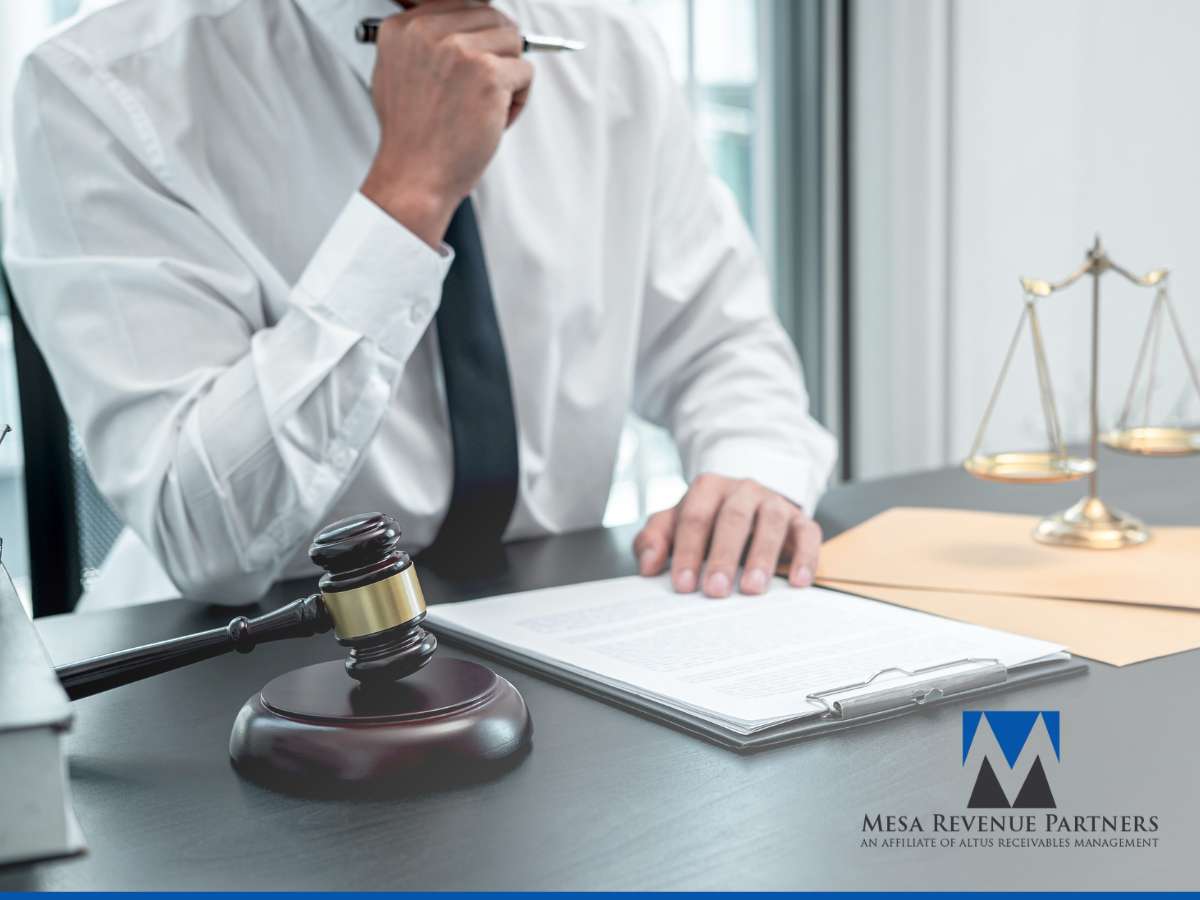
(801, 481)
(375, 276)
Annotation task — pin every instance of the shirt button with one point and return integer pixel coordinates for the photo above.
(418, 313)
(342, 458)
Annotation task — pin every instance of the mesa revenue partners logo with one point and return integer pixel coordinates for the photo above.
(1008, 761)
(1011, 750)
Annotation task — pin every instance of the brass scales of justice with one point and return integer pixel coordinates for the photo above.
(1092, 523)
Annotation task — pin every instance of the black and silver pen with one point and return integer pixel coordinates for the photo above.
(368, 30)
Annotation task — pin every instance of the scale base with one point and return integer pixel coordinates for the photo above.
(1093, 525)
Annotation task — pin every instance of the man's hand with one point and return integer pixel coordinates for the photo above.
(449, 78)
(721, 516)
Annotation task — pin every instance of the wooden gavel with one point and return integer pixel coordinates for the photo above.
(369, 595)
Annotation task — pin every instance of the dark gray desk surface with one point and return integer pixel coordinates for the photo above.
(610, 800)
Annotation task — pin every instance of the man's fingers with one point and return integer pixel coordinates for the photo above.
(431, 8)
(472, 21)
(519, 99)
(455, 17)
(734, 521)
(518, 75)
(717, 518)
(460, 19)
(697, 511)
(770, 533)
(502, 41)
(806, 548)
(515, 74)
(440, 6)
(653, 543)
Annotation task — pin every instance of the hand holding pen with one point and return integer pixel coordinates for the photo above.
(449, 78)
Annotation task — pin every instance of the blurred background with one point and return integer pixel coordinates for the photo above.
(901, 163)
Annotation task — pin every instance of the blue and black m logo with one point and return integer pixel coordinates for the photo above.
(1004, 745)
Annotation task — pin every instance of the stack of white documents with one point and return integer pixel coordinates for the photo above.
(743, 663)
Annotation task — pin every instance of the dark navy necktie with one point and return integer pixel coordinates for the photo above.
(478, 397)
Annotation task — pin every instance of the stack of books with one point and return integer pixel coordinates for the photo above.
(36, 819)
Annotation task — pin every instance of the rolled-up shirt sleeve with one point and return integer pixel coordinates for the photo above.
(714, 364)
(220, 437)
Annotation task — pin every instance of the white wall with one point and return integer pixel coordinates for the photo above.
(898, 171)
(995, 139)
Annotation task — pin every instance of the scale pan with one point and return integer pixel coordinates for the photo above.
(1154, 441)
(1030, 468)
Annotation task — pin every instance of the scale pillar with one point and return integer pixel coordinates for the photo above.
(1094, 443)
(1091, 523)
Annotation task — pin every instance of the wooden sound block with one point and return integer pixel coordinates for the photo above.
(316, 731)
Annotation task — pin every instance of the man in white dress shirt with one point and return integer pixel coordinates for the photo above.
(230, 227)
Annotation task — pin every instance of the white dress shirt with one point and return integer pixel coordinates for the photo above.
(244, 340)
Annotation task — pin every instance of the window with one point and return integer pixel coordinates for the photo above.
(19, 24)
(12, 488)
(713, 49)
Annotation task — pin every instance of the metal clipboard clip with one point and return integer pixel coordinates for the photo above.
(915, 688)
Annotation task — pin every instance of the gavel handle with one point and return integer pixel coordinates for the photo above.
(300, 618)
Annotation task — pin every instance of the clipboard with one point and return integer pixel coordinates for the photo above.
(887, 694)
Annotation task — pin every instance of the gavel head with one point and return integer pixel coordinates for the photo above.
(374, 598)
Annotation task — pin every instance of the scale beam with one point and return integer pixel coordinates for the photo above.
(1097, 263)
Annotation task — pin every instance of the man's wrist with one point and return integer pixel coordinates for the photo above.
(425, 213)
